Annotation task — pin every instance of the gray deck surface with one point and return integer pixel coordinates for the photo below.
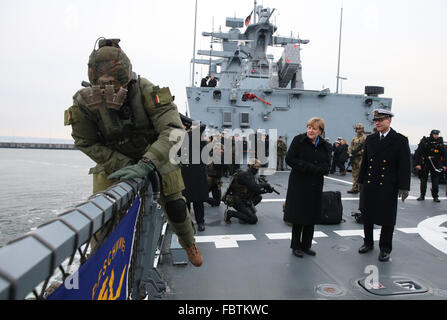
(265, 268)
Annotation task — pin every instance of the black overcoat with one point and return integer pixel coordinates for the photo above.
(384, 170)
(194, 175)
(309, 164)
(341, 153)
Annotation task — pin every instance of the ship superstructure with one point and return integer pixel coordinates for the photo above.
(256, 92)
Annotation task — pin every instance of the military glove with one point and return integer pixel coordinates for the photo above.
(142, 169)
(403, 193)
(269, 189)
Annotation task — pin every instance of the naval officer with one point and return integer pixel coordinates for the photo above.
(384, 176)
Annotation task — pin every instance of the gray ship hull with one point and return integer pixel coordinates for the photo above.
(289, 111)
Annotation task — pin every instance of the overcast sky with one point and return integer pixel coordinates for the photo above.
(397, 44)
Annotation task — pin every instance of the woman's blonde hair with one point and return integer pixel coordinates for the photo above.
(315, 121)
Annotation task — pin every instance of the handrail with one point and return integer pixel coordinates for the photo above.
(33, 258)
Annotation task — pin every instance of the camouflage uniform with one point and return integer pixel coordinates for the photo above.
(355, 152)
(281, 150)
(117, 135)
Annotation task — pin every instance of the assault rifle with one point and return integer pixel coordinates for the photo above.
(269, 188)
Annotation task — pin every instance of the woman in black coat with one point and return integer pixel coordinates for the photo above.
(309, 158)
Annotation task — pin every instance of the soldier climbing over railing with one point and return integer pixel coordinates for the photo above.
(123, 123)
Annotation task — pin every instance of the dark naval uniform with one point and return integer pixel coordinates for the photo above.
(384, 171)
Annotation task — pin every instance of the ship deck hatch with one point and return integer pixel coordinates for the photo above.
(389, 286)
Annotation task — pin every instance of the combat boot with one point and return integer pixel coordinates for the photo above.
(194, 255)
(353, 191)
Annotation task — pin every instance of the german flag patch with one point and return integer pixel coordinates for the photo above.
(162, 96)
(156, 99)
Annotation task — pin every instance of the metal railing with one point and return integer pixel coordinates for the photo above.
(33, 259)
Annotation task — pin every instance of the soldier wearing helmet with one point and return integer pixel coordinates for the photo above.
(430, 157)
(355, 153)
(244, 193)
(123, 123)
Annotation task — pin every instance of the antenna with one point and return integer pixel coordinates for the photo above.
(211, 47)
(254, 11)
(339, 48)
(194, 49)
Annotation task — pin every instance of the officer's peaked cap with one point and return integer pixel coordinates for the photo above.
(380, 114)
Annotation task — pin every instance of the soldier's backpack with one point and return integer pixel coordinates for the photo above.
(331, 208)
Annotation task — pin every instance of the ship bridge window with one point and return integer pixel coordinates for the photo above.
(227, 119)
(244, 119)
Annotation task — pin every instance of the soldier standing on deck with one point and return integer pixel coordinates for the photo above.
(430, 158)
(215, 172)
(123, 123)
(281, 150)
(355, 153)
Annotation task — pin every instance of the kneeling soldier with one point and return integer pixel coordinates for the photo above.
(244, 193)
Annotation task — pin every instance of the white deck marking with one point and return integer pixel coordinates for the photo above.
(226, 240)
(431, 231)
(288, 236)
(353, 199)
(360, 232)
(339, 180)
(408, 230)
(284, 200)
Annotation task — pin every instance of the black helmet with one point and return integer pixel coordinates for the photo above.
(434, 131)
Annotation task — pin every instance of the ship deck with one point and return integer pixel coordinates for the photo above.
(255, 262)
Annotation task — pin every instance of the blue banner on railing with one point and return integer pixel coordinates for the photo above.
(104, 276)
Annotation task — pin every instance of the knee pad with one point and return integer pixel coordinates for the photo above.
(176, 210)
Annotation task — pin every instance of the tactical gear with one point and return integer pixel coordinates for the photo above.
(243, 194)
(253, 169)
(254, 163)
(95, 97)
(140, 170)
(281, 148)
(236, 189)
(109, 59)
(359, 126)
(119, 139)
(430, 152)
(116, 129)
(356, 151)
(176, 210)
